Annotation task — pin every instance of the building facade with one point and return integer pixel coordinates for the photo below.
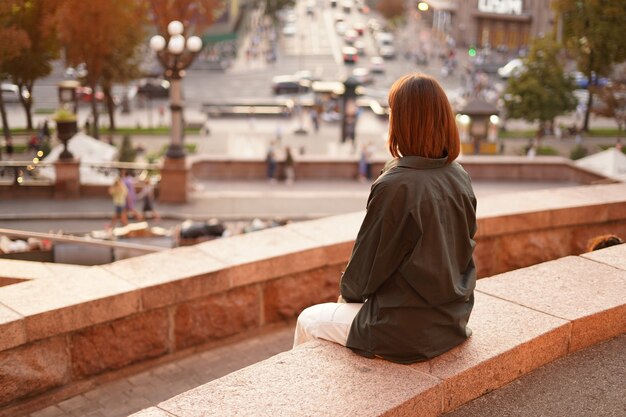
(500, 24)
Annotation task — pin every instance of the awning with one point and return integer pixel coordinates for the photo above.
(218, 37)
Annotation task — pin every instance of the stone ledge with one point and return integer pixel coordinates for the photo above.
(519, 325)
(263, 273)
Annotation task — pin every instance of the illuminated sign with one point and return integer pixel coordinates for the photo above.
(500, 6)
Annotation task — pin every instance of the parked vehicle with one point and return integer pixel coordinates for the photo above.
(387, 52)
(363, 75)
(377, 65)
(350, 55)
(153, 88)
(513, 68)
(290, 84)
(582, 81)
(11, 93)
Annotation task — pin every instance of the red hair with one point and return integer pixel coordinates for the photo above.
(421, 121)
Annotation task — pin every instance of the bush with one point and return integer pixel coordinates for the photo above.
(578, 152)
(547, 150)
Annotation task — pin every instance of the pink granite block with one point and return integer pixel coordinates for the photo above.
(152, 412)
(514, 223)
(316, 379)
(596, 213)
(589, 294)
(258, 256)
(508, 341)
(119, 343)
(33, 369)
(614, 256)
(172, 276)
(582, 236)
(486, 255)
(54, 306)
(217, 316)
(10, 268)
(530, 248)
(12, 330)
(336, 234)
(616, 211)
(286, 297)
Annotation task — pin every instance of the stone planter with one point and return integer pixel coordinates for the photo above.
(65, 130)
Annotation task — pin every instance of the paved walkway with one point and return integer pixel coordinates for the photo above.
(136, 392)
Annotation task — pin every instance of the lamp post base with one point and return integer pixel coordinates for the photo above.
(175, 151)
(67, 183)
(173, 184)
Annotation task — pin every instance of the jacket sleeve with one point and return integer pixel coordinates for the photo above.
(383, 241)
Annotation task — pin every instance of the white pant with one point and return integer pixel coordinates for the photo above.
(329, 321)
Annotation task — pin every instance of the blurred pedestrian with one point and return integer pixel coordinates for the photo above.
(270, 162)
(119, 193)
(131, 195)
(146, 195)
(289, 163)
(364, 162)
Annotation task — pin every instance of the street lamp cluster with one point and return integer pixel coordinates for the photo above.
(175, 54)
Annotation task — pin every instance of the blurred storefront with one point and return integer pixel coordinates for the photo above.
(498, 24)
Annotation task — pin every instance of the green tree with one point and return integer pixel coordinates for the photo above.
(391, 9)
(92, 33)
(612, 97)
(14, 40)
(542, 91)
(35, 18)
(124, 63)
(272, 7)
(593, 33)
(196, 15)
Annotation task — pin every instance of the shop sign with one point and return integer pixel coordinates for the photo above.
(500, 6)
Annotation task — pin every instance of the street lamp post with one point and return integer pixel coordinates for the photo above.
(175, 54)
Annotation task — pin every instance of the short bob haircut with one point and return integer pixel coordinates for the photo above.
(421, 121)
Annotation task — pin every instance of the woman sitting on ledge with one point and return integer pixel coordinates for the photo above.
(407, 291)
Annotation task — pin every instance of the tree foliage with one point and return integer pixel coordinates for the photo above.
(94, 33)
(31, 31)
(542, 91)
(391, 9)
(593, 33)
(272, 7)
(196, 15)
(13, 41)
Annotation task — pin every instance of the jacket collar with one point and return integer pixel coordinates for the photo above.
(416, 162)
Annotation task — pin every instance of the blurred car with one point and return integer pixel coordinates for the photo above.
(387, 52)
(350, 36)
(359, 28)
(153, 88)
(290, 84)
(363, 75)
(360, 47)
(377, 65)
(513, 68)
(350, 55)
(289, 29)
(582, 81)
(341, 27)
(384, 39)
(86, 95)
(11, 93)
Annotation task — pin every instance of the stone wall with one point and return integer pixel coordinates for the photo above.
(61, 326)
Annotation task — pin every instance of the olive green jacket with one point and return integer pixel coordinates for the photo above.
(412, 262)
